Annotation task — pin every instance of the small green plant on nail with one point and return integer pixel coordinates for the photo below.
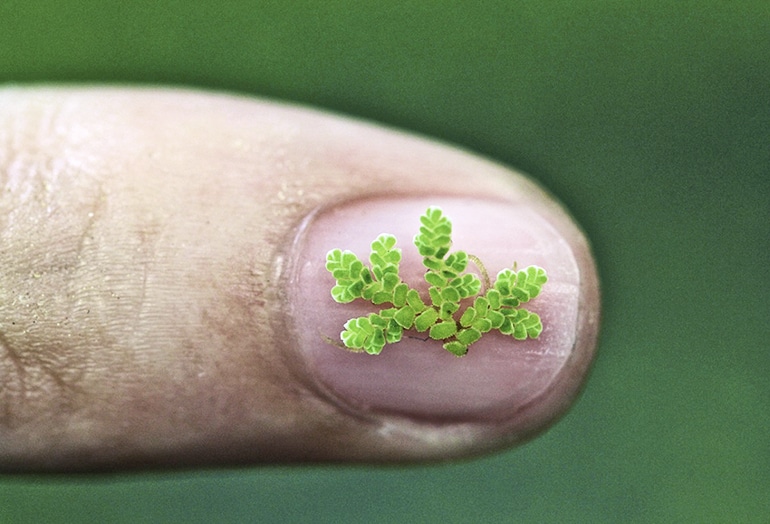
(450, 288)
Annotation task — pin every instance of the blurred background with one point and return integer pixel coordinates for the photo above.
(649, 120)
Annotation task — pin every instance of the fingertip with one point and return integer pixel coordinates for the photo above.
(203, 310)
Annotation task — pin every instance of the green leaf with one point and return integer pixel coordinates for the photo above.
(468, 336)
(456, 347)
(482, 306)
(425, 320)
(414, 300)
(433, 263)
(482, 324)
(448, 309)
(435, 233)
(450, 294)
(381, 319)
(382, 297)
(495, 319)
(468, 316)
(434, 279)
(443, 330)
(400, 293)
(510, 302)
(405, 317)
(493, 296)
(507, 327)
(390, 281)
(435, 296)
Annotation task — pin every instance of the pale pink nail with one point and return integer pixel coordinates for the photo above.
(417, 378)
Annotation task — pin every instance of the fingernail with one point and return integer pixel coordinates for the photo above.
(417, 377)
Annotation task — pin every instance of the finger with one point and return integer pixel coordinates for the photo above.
(164, 302)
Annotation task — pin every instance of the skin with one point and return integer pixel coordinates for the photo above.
(148, 238)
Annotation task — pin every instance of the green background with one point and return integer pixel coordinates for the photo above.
(650, 120)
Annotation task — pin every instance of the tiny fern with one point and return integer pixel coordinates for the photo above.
(450, 287)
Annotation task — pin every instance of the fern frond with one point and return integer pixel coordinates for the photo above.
(450, 285)
(435, 236)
